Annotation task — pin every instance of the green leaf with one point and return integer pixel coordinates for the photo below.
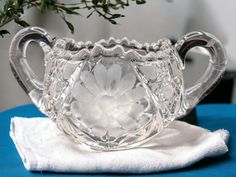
(9, 8)
(116, 16)
(112, 21)
(140, 2)
(95, 2)
(48, 5)
(69, 10)
(105, 8)
(70, 26)
(21, 22)
(3, 32)
(20, 2)
(20, 10)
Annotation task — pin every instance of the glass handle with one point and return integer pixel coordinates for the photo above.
(214, 71)
(19, 64)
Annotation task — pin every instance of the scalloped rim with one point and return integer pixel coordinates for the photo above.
(114, 47)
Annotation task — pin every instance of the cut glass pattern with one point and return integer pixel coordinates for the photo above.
(114, 92)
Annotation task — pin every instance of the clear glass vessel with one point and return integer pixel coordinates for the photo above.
(116, 93)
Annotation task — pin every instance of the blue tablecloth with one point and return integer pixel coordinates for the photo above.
(209, 116)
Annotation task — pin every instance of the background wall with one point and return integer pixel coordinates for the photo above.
(147, 23)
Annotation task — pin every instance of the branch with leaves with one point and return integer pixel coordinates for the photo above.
(13, 10)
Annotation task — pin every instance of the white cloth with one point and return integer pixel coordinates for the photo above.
(43, 147)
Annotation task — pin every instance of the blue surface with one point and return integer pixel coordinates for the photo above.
(210, 116)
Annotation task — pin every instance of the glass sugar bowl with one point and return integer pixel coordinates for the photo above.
(117, 93)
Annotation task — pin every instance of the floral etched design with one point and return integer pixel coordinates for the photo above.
(109, 99)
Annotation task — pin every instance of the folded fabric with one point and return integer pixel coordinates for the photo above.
(43, 147)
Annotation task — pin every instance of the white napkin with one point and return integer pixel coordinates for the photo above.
(43, 147)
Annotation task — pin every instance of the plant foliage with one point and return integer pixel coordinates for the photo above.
(13, 10)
